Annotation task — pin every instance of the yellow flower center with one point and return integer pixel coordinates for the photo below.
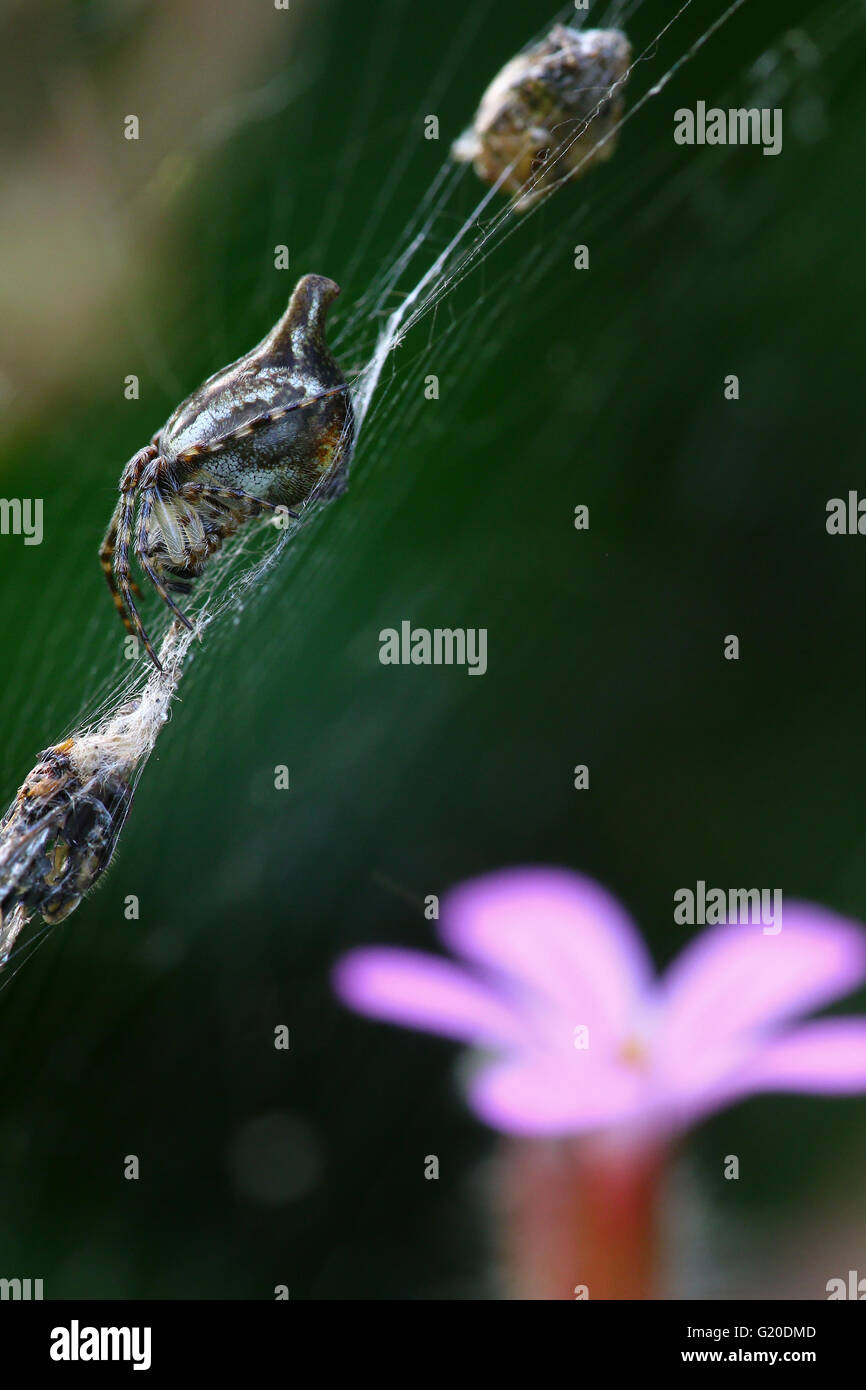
(634, 1054)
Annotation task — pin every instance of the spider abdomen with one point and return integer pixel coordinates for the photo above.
(247, 424)
(274, 429)
(280, 456)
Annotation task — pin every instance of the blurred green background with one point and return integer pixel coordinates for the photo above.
(557, 387)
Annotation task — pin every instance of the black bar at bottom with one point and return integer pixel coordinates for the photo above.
(162, 1339)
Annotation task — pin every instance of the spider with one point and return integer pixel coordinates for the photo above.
(269, 432)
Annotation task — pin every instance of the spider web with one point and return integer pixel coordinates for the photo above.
(406, 308)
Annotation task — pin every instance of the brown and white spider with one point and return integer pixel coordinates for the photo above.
(269, 432)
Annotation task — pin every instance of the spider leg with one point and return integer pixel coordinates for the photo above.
(117, 543)
(141, 556)
(301, 405)
(121, 567)
(109, 543)
(196, 451)
(229, 494)
(106, 559)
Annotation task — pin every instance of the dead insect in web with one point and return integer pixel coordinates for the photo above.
(551, 114)
(57, 838)
(59, 835)
(264, 435)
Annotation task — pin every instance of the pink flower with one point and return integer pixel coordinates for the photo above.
(555, 987)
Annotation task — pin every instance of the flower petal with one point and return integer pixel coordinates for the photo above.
(558, 934)
(540, 1097)
(828, 1056)
(422, 991)
(735, 981)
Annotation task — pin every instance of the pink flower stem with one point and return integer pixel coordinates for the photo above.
(580, 1214)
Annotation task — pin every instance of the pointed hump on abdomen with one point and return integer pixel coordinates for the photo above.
(300, 332)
